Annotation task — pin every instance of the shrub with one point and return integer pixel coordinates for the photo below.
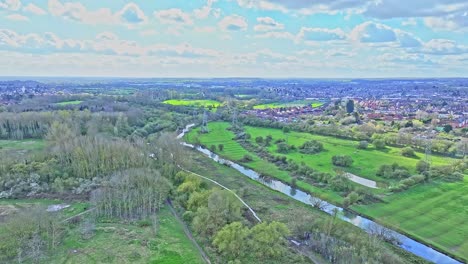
(342, 160)
(311, 147)
(246, 158)
(379, 143)
(363, 144)
(408, 152)
(422, 166)
(283, 147)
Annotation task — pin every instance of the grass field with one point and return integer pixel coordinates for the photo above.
(199, 103)
(436, 213)
(314, 104)
(366, 162)
(76, 102)
(17, 148)
(130, 243)
(234, 151)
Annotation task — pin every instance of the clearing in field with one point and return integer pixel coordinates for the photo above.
(131, 243)
(436, 213)
(300, 103)
(18, 148)
(76, 102)
(198, 103)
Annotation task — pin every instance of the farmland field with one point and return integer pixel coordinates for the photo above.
(436, 213)
(200, 103)
(314, 104)
(76, 102)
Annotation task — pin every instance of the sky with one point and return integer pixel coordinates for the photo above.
(234, 38)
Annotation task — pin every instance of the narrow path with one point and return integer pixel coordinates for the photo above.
(187, 232)
(82, 213)
(226, 188)
(362, 181)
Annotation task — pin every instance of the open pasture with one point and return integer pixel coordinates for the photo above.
(235, 152)
(366, 162)
(299, 103)
(75, 102)
(198, 103)
(436, 213)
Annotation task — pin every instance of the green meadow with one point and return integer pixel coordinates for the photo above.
(17, 148)
(114, 242)
(234, 151)
(436, 213)
(314, 104)
(199, 103)
(130, 243)
(366, 162)
(75, 102)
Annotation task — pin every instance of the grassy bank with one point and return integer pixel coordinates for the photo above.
(436, 213)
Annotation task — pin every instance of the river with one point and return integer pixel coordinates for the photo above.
(366, 224)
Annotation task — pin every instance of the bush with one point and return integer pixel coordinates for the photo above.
(408, 152)
(246, 158)
(283, 147)
(220, 147)
(311, 147)
(363, 144)
(342, 160)
(393, 171)
(379, 143)
(259, 140)
(422, 166)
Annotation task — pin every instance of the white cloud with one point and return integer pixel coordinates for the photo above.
(129, 15)
(409, 22)
(205, 11)
(371, 32)
(233, 23)
(321, 34)
(207, 29)
(149, 32)
(34, 9)
(277, 35)
(14, 5)
(17, 17)
(443, 47)
(268, 24)
(174, 16)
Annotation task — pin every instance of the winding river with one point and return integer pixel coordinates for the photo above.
(368, 225)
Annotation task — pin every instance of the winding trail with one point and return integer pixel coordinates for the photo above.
(187, 232)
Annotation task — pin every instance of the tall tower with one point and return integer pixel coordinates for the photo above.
(204, 127)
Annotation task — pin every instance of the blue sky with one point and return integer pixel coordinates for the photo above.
(234, 38)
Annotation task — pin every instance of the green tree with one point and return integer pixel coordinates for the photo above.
(231, 240)
(350, 106)
(408, 152)
(448, 128)
(221, 147)
(379, 143)
(283, 147)
(422, 166)
(268, 240)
